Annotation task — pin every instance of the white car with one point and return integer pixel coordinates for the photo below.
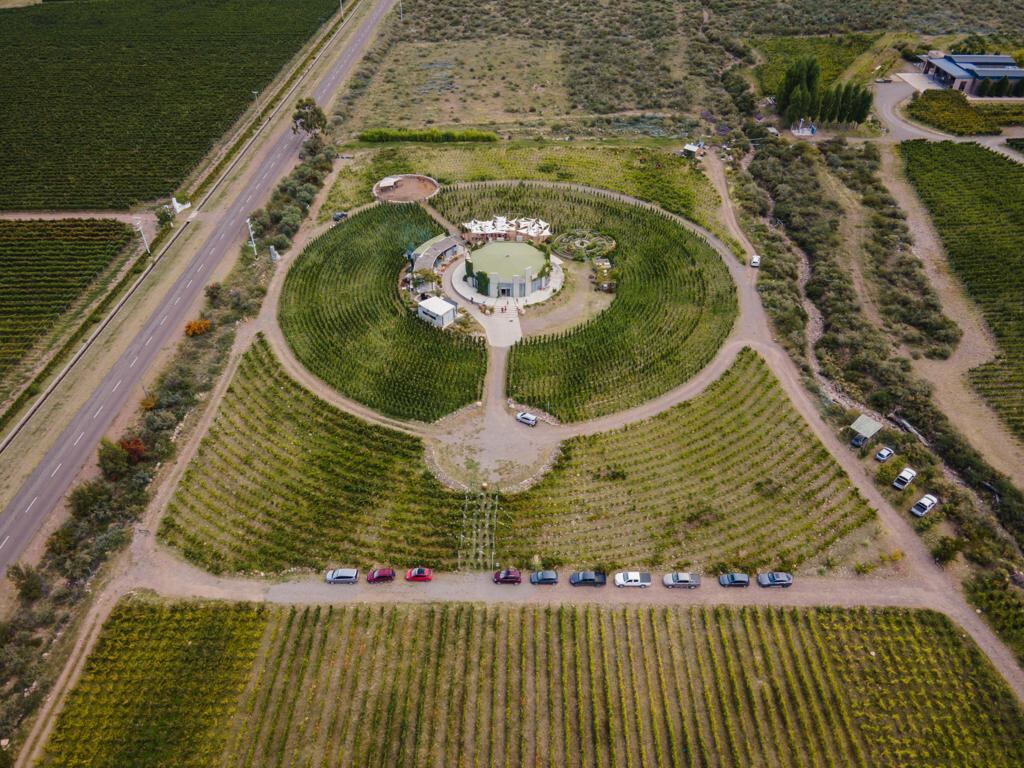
(884, 454)
(342, 576)
(755, 260)
(524, 417)
(924, 505)
(640, 579)
(904, 478)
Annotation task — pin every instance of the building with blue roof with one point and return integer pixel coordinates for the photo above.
(965, 72)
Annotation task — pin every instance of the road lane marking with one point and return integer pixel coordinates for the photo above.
(134, 362)
(78, 439)
(97, 412)
(2, 543)
(177, 300)
(117, 385)
(31, 504)
(56, 469)
(188, 283)
(148, 340)
(163, 319)
(200, 269)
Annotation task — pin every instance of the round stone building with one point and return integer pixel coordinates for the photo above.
(510, 259)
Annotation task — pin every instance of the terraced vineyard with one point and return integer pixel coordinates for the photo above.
(174, 77)
(283, 480)
(683, 488)
(976, 199)
(46, 268)
(342, 315)
(158, 686)
(458, 684)
(674, 306)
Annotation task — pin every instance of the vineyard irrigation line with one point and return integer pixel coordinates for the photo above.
(52, 386)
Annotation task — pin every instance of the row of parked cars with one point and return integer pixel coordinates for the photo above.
(926, 503)
(640, 579)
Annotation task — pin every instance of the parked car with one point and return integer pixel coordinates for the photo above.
(588, 579)
(680, 580)
(734, 580)
(858, 440)
(904, 478)
(884, 454)
(524, 417)
(508, 576)
(544, 577)
(342, 576)
(924, 505)
(755, 261)
(380, 575)
(775, 579)
(339, 216)
(640, 579)
(419, 574)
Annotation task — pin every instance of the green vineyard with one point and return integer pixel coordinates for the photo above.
(45, 268)
(344, 319)
(174, 77)
(468, 685)
(674, 306)
(685, 490)
(976, 199)
(158, 686)
(283, 480)
(833, 53)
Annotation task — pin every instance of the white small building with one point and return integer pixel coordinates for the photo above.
(439, 312)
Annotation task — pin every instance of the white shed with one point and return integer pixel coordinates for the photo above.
(439, 312)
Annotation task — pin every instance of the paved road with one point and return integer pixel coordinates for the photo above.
(45, 488)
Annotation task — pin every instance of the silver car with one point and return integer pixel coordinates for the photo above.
(342, 576)
(680, 580)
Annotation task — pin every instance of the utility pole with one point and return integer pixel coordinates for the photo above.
(256, 98)
(401, 11)
(252, 240)
(138, 226)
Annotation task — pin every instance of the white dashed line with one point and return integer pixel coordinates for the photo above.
(134, 362)
(78, 439)
(97, 412)
(177, 300)
(31, 504)
(2, 543)
(163, 319)
(200, 268)
(56, 469)
(117, 385)
(148, 340)
(188, 283)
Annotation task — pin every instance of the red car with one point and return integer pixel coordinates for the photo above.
(508, 576)
(419, 574)
(378, 575)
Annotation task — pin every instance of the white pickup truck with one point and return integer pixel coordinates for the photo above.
(640, 579)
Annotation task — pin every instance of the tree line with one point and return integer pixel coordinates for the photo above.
(802, 96)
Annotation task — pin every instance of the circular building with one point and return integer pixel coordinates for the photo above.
(508, 269)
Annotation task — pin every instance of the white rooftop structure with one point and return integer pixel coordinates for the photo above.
(865, 425)
(501, 225)
(437, 311)
(437, 305)
(389, 182)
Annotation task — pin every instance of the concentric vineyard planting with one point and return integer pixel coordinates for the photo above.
(45, 268)
(110, 103)
(675, 304)
(733, 479)
(459, 684)
(343, 317)
(158, 686)
(976, 198)
(284, 480)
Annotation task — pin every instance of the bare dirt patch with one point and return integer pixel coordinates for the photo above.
(407, 189)
(576, 303)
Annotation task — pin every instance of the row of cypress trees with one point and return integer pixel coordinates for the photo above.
(802, 96)
(1000, 87)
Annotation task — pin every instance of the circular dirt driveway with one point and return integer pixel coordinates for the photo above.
(405, 188)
